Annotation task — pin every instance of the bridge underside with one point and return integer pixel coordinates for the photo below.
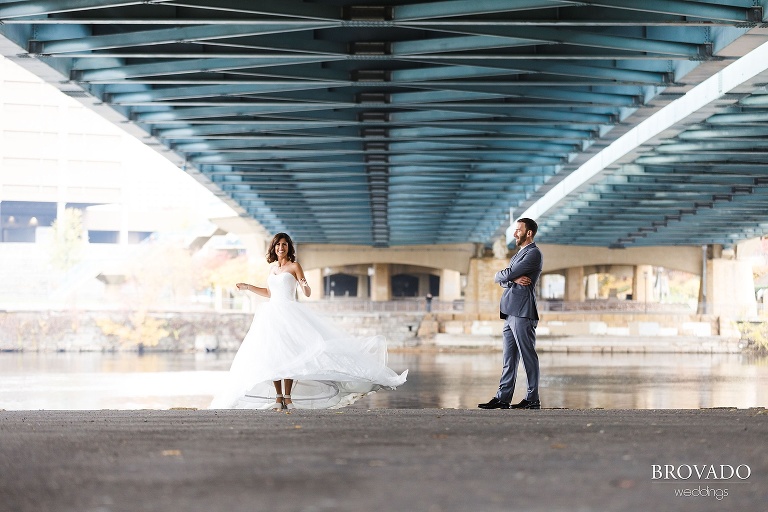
(399, 123)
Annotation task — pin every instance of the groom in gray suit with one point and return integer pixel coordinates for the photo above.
(518, 309)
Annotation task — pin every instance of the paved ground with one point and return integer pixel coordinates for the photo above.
(432, 460)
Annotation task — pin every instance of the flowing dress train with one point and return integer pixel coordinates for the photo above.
(287, 340)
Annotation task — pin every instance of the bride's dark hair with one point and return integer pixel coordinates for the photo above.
(272, 255)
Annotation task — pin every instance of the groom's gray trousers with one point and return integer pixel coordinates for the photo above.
(519, 338)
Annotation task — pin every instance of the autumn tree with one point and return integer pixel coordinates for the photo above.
(68, 240)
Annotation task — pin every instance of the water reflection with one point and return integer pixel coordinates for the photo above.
(452, 380)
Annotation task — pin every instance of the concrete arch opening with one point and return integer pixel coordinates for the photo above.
(405, 285)
(644, 283)
(382, 274)
(385, 282)
(341, 285)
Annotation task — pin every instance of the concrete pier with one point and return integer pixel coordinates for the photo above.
(432, 460)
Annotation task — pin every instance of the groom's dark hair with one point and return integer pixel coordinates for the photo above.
(530, 225)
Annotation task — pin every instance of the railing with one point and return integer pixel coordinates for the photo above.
(242, 303)
(415, 304)
(367, 306)
(618, 306)
(554, 306)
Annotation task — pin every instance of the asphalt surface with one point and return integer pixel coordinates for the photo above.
(432, 460)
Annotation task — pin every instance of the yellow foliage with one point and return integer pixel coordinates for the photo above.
(68, 241)
(756, 333)
(141, 330)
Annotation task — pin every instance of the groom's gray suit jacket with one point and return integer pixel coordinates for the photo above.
(518, 300)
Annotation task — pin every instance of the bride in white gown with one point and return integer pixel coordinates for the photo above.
(295, 358)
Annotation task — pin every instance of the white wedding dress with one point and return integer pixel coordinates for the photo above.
(287, 340)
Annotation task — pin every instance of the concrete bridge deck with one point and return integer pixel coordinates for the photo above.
(433, 460)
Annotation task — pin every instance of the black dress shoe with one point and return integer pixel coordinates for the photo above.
(526, 404)
(495, 403)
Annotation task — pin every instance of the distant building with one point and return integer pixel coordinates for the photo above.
(55, 154)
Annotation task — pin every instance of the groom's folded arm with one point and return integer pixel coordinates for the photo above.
(504, 278)
(525, 266)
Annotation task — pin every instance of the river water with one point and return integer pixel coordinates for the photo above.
(460, 380)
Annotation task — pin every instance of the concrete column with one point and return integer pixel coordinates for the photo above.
(381, 288)
(362, 286)
(450, 285)
(642, 283)
(574, 284)
(480, 293)
(731, 289)
(593, 287)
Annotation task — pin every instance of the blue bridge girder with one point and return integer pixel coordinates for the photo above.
(386, 123)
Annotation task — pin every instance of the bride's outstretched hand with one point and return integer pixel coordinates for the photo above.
(242, 286)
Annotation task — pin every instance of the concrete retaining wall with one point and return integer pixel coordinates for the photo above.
(85, 331)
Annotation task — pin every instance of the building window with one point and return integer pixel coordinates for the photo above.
(103, 237)
(136, 237)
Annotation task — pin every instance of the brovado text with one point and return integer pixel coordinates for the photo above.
(720, 472)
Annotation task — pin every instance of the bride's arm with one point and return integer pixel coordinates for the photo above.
(302, 280)
(264, 292)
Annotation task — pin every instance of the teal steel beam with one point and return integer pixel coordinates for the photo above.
(256, 142)
(587, 38)
(180, 133)
(500, 158)
(701, 157)
(738, 118)
(192, 66)
(728, 132)
(522, 116)
(443, 116)
(694, 9)
(565, 68)
(162, 96)
(710, 146)
(527, 96)
(505, 129)
(10, 10)
(176, 35)
(446, 72)
(555, 115)
(436, 96)
(755, 100)
(245, 110)
(575, 96)
(451, 8)
(400, 147)
(455, 44)
(284, 8)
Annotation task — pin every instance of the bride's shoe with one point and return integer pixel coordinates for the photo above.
(288, 405)
(279, 403)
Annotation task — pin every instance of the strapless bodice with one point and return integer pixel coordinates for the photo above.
(282, 287)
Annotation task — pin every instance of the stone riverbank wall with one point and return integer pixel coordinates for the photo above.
(80, 331)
